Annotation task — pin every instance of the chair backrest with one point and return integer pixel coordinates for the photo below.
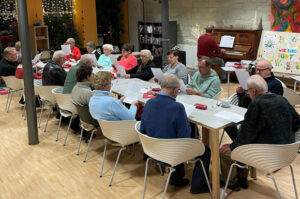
(12, 82)
(291, 96)
(45, 93)
(217, 96)
(283, 84)
(171, 151)
(64, 101)
(266, 157)
(85, 116)
(122, 131)
(234, 99)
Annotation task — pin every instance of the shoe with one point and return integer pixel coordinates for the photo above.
(180, 183)
(235, 187)
(201, 190)
(243, 183)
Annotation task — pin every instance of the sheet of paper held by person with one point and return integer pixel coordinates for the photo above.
(66, 49)
(158, 74)
(188, 108)
(242, 76)
(132, 92)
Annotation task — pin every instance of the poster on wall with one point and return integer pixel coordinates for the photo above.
(282, 49)
(285, 15)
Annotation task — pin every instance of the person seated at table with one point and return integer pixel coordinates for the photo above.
(143, 71)
(165, 118)
(82, 91)
(18, 49)
(91, 48)
(205, 82)
(70, 81)
(104, 107)
(128, 61)
(19, 73)
(53, 73)
(104, 60)
(270, 119)
(8, 63)
(75, 52)
(175, 67)
(264, 69)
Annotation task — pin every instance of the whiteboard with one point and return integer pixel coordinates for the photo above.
(282, 49)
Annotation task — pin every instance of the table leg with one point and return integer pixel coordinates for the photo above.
(228, 83)
(295, 85)
(215, 169)
(205, 136)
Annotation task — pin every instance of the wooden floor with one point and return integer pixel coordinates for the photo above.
(49, 170)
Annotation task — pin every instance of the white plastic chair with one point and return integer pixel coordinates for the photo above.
(267, 157)
(291, 96)
(47, 99)
(283, 84)
(118, 133)
(171, 151)
(66, 109)
(217, 96)
(14, 86)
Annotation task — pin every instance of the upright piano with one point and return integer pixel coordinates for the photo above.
(245, 44)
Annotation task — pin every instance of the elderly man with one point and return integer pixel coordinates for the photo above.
(165, 118)
(104, 107)
(91, 48)
(205, 82)
(207, 44)
(270, 119)
(70, 81)
(75, 52)
(53, 73)
(8, 64)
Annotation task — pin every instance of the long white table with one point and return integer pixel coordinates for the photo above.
(211, 125)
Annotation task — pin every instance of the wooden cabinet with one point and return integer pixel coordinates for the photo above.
(39, 39)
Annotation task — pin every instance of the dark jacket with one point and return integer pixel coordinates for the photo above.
(143, 73)
(270, 119)
(96, 54)
(8, 68)
(274, 86)
(53, 74)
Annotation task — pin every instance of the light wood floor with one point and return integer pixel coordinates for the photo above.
(49, 170)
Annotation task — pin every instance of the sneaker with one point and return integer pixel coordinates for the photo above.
(201, 190)
(243, 183)
(180, 183)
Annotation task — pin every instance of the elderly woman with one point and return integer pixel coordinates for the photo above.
(75, 52)
(104, 107)
(127, 60)
(104, 60)
(91, 48)
(143, 71)
(175, 67)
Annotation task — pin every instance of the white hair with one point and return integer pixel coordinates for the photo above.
(108, 47)
(170, 81)
(265, 62)
(71, 40)
(147, 53)
(58, 54)
(87, 58)
(258, 83)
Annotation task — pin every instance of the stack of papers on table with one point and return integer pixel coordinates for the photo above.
(188, 108)
(233, 117)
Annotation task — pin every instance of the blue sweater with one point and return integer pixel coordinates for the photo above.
(163, 117)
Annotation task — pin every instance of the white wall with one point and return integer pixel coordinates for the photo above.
(193, 15)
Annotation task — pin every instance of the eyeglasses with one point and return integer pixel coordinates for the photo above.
(261, 69)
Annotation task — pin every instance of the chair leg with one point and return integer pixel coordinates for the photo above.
(167, 183)
(8, 95)
(65, 142)
(294, 183)
(227, 181)
(58, 128)
(79, 142)
(50, 111)
(41, 114)
(145, 178)
(11, 95)
(205, 174)
(274, 181)
(102, 165)
(116, 164)
(87, 150)
(160, 169)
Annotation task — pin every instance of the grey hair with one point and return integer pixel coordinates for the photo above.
(170, 81)
(71, 40)
(91, 44)
(58, 54)
(258, 83)
(147, 53)
(208, 61)
(265, 63)
(108, 47)
(87, 58)
(8, 50)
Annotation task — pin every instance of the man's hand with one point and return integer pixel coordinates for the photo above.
(224, 148)
(135, 103)
(127, 76)
(122, 99)
(156, 80)
(223, 51)
(239, 89)
(190, 91)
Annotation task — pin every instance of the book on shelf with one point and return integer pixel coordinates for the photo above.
(157, 29)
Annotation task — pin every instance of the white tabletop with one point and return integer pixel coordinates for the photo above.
(297, 78)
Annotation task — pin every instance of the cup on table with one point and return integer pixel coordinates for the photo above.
(225, 103)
